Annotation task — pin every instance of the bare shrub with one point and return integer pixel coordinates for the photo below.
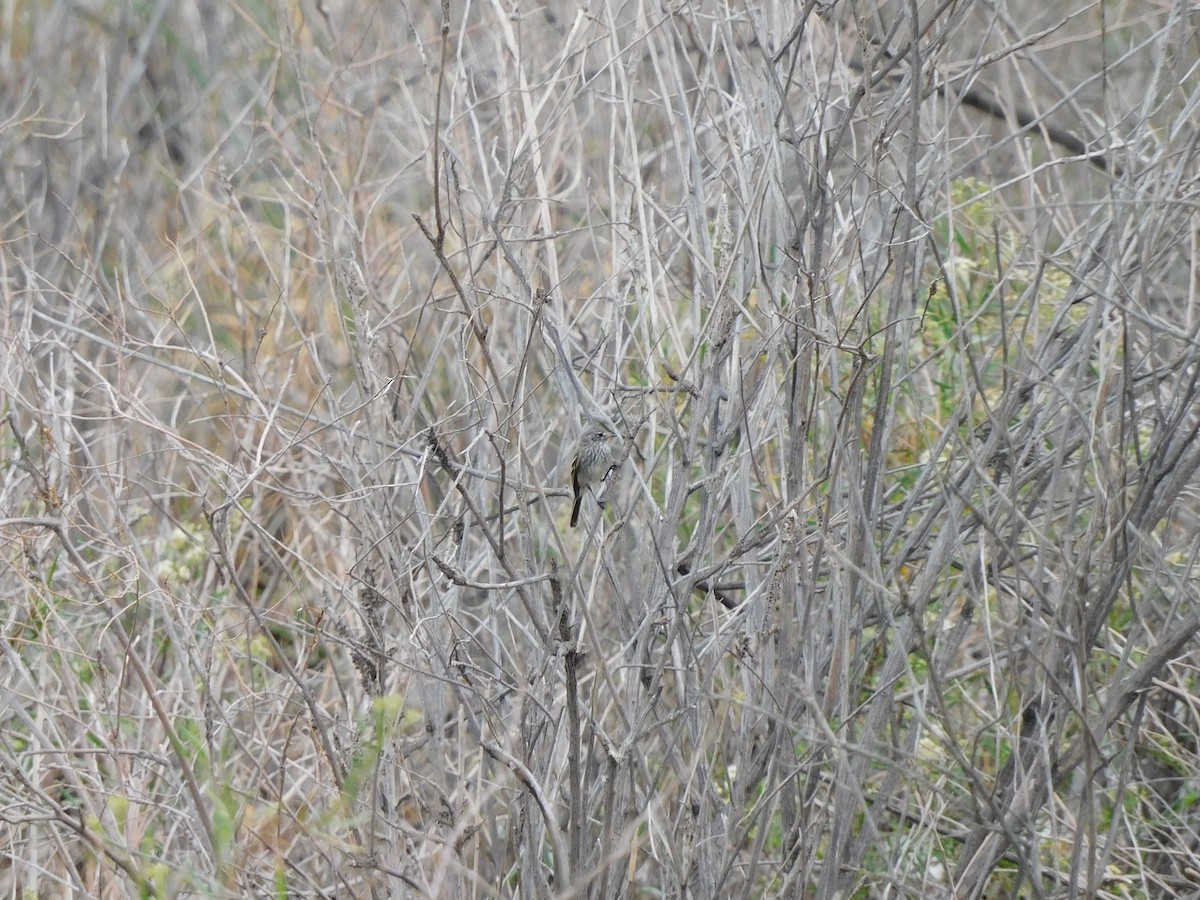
(890, 308)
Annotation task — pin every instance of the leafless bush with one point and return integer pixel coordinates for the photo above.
(891, 308)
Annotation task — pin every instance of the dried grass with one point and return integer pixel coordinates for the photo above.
(892, 306)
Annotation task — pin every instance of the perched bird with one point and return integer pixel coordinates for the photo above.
(592, 463)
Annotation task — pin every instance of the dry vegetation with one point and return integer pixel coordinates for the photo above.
(893, 307)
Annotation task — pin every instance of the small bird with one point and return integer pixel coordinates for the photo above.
(593, 461)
